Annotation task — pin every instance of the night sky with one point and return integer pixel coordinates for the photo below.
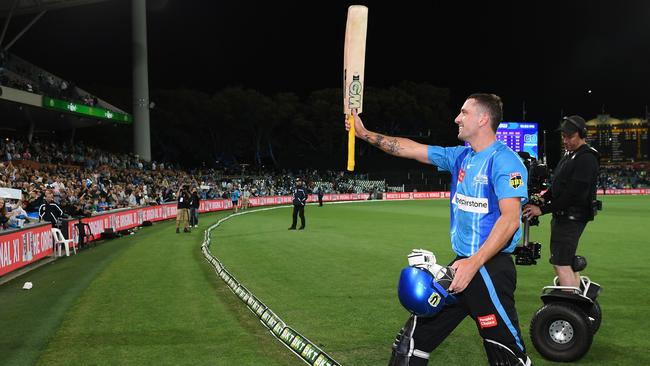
(548, 54)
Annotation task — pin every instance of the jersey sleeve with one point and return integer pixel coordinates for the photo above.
(510, 176)
(444, 157)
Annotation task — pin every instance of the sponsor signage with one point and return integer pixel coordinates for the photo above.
(415, 195)
(21, 248)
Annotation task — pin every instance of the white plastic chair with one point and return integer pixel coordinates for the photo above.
(60, 240)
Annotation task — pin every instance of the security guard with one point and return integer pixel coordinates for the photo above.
(299, 200)
(571, 198)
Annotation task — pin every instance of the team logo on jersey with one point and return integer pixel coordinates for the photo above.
(461, 175)
(516, 180)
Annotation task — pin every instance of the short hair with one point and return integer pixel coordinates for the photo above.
(490, 103)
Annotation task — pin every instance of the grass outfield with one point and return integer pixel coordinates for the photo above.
(336, 281)
(146, 299)
(151, 298)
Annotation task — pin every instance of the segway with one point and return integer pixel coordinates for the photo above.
(563, 329)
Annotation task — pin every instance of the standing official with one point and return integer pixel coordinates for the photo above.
(320, 196)
(488, 184)
(571, 198)
(299, 200)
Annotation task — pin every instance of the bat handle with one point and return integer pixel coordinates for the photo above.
(351, 139)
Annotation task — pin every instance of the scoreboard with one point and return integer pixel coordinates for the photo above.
(519, 136)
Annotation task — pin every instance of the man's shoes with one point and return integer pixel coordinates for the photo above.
(292, 228)
(177, 231)
(301, 228)
(186, 230)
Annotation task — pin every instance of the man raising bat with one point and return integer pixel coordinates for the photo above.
(488, 185)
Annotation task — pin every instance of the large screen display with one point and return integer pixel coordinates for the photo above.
(519, 136)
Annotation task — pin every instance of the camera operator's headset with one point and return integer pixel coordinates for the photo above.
(582, 131)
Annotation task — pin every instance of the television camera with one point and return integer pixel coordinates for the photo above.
(528, 253)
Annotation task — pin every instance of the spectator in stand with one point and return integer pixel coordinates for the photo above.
(18, 211)
(102, 205)
(4, 215)
(50, 211)
(36, 199)
(195, 202)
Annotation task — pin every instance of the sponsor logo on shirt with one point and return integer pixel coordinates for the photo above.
(516, 180)
(487, 321)
(471, 204)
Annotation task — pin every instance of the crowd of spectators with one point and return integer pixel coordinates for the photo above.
(19, 74)
(83, 180)
(624, 176)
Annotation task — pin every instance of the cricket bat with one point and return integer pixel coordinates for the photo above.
(354, 59)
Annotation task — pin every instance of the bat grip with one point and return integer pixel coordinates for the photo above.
(351, 139)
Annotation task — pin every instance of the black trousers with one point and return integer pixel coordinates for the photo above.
(194, 216)
(298, 210)
(488, 300)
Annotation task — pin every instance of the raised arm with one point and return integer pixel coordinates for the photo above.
(397, 146)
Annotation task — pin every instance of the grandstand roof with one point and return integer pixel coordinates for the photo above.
(606, 119)
(17, 116)
(36, 6)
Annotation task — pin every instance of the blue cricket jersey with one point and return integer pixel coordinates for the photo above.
(478, 181)
(234, 196)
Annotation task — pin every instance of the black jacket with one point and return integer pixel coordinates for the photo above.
(195, 200)
(573, 188)
(50, 212)
(36, 204)
(183, 200)
(300, 196)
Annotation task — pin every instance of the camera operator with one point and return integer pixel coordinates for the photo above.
(571, 198)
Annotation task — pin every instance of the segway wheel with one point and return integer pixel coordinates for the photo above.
(595, 316)
(561, 332)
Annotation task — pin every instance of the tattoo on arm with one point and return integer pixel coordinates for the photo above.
(387, 144)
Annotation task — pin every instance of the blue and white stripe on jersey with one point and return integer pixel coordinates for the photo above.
(478, 181)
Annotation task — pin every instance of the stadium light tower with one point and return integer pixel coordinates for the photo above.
(141, 134)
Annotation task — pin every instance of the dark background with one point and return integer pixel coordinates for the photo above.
(547, 55)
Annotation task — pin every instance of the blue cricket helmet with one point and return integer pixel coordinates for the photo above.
(420, 293)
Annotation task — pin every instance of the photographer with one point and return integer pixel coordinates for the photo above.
(571, 198)
(183, 209)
